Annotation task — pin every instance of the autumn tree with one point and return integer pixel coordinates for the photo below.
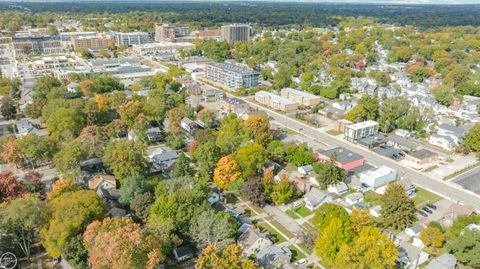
(250, 159)
(226, 173)
(67, 216)
(131, 112)
(10, 187)
(11, 153)
(21, 218)
(370, 250)
(125, 159)
(207, 117)
(432, 236)
(229, 257)
(253, 191)
(398, 210)
(326, 212)
(257, 127)
(127, 245)
(360, 219)
(175, 116)
(282, 191)
(212, 228)
(62, 186)
(87, 87)
(8, 109)
(333, 237)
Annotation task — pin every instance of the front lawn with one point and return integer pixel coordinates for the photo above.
(265, 227)
(423, 197)
(333, 132)
(303, 211)
(371, 197)
(282, 229)
(296, 253)
(292, 214)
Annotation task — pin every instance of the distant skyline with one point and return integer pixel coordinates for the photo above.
(406, 2)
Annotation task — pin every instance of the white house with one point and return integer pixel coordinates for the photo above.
(413, 230)
(445, 142)
(375, 211)
(305, 170)
(354, 198)
(315, 198)
(252, 241)
(338, 189)
(378, 177)
(72, 87)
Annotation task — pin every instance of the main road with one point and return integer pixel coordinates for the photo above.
(438, 186)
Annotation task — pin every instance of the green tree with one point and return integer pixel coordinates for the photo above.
(75, 252)
(276, 151)
(282, 191)
(333, 237)
(182, 167)
(125, 159)
(299, 155)
(21, 218)
(444, 95)
(250, 159)
(212, 228)
(67, 160)
(230, 134)
(132, 187)
(68, 215)
(398, 210)
(329, 174)
(472, 139)
(466, 247)
(326, 212)
(431, 236)
(206, 155)
(8, 108)
(64, 123)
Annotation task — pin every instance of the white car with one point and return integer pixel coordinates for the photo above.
(301, 262)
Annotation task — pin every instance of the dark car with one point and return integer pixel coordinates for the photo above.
(401, 154)
(432, 206)
(426, 209)
(422, 213)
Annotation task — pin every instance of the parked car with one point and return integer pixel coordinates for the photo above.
(301, 262)
(432, 206)
(422, 213)
(426, 209)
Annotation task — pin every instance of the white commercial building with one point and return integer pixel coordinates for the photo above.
(301, 97)
(162, 47)
(378, 177)
(354, 132)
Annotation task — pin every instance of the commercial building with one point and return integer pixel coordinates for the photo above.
(67, 36)
(236, 32)
(27, 45)
(231, 76)
(300, 97)
(378, 177)
(33, 32)
(422, 156)
(162, 47)
(99, 42)
(47, 65)
(354, 132)
(133, 38)
(344, 158)
(210, 34)
(168, 32)
(275, 101)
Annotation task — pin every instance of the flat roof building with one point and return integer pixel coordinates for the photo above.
(301, 97)
(231, 76)
(354, 132)
(168, 32)
(161, 47)
(100, 42)
(236, 32)
(378, 177)
(275, 101)
(67, 36)
(132, 38)
(34, 45)
(344, 158)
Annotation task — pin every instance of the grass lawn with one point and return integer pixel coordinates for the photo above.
(292, 214)
(296, 253)
(282, 229)
(303, 211)
(290, 131)
(423, 196)
(371, 197)
(334, 132)
(305, 249)
(271, 231)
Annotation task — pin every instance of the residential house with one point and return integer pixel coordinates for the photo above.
(354, 198)
(229, 105)
(72, 87)
(423, 156)
(402, 143)
(456, 210)
(338, 189)
(377, 177)
(315, 198)
(116, 212)
(189, 126)
(105, 186)
(154, 134)
(163, 159)
(273, 257)
(444, 261)
(305, 170)
(340, 125)
(210, 94)
(338, 110)
(413, 230)
(344, 158)
(375, 211)
(252, 241)
(408, 186)
(183, 253)
(445, 142)
(24, 127)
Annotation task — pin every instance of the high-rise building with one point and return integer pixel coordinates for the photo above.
(231, 76)
(168, 32)
(236, 32)
(133, 38)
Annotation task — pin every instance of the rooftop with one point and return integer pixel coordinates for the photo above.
(300, 93)
(275, 97)
(422, 154)
(342, 155)
(362, 125)
(235, 68)
(377, 172)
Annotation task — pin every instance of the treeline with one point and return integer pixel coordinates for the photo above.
(270, 14)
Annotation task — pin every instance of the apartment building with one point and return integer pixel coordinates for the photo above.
(354, 132)
(99, 42)
(300, 97)
(35, 45)
(162, 47)
(168, 32)
(67, 36)
(133, 38)
(210, 34)
(275, 101)
(47, 65)
(231, 76)
(235, 32)
(33, 32)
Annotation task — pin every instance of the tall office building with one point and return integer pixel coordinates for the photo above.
(168, 32)
(236, 32)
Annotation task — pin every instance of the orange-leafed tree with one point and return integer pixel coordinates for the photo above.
(226, 173)
(11, 154)
(119, 243)
(87, 87)
(101, 101)
(62, 186)
(361, 218)
(258, 128)
(175, 116)
(229, 257)
(130, 111)
(10, 187)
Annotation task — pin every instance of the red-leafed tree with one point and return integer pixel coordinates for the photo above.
(10, 187)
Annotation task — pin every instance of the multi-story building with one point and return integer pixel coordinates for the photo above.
(33, 32)
(354, 132)
(210, 34)
(47, 65)
(26, 45)
(162, 47)
(231, 76)
(168, 32)
(300, 97)
(133, 38)
(66, 37)
(235, 32)
(5, 40)
(275, 101)
(99, 42)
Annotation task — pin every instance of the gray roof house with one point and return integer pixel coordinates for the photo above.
(163, 158)
(339, 188)
(24, 127)
(315, 198)
(154, 134)
(272, 257)
(252, 241)
(445, 261)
